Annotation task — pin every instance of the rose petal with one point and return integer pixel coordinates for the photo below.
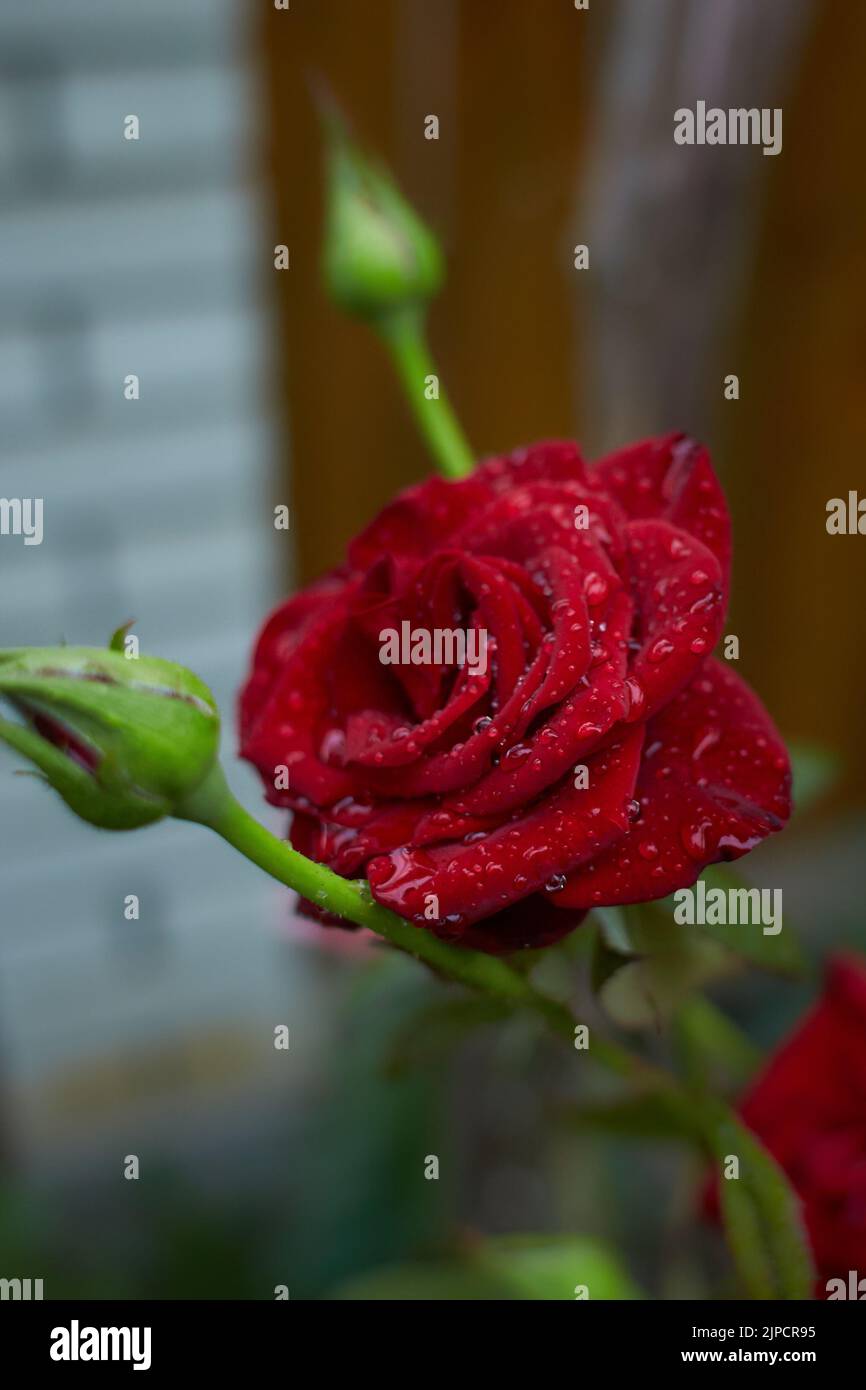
(459, 884)
(677, 586)
(714, 781)
(530, 924)
(574, 730)
(281, 634)
(671, 478)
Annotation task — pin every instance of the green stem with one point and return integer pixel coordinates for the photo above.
(214, 806)
(403, 333)
(777, 1255)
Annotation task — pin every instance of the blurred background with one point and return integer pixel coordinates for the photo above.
(305, 1168)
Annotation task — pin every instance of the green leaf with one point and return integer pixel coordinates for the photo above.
(644, 964)
(761, 1214)
(714, 1052)
(614, 928)
(780, 954)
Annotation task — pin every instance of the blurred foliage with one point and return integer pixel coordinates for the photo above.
(762, 1217)
(815, 771)
(529, 1137)
(512, 1267)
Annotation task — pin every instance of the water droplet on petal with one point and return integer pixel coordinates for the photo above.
(555, 884)
(660, 650)
(694, 838)
(333, 747)
(648, 850)
(595, 587)
(636, 696)
(707, 739)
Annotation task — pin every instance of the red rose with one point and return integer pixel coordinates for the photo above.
(809, 1108)
(457, 790)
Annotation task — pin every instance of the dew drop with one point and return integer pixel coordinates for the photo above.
(648, 850)
(693, 837)
(595, 588)
(707, 739)
(555, 884)
(333, 747)
(660, 650)
(636, 697)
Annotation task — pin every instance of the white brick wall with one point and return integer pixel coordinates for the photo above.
(120, 257)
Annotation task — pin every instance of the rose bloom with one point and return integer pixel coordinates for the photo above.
(599, 754)
(809, 1109)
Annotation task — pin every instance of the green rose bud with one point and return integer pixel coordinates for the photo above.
(124, 741)
(378, 254)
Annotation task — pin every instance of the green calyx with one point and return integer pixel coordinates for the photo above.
(378, 255)
(123, 740)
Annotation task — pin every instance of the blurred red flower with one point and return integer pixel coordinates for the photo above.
(809, 1109)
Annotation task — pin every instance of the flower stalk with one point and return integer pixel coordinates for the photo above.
(403, 333)
(213, 805)
(382, 265)
(126, 743)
